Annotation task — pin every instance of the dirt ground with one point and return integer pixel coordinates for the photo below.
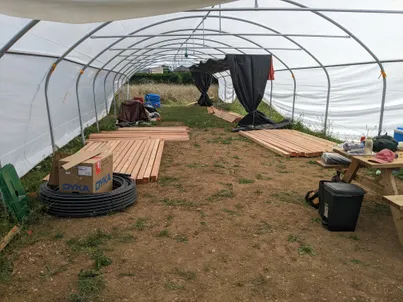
(225, 222)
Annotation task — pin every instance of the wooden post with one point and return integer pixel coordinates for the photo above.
(351, 171)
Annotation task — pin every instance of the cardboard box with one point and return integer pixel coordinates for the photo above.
(54, 173)
(85, 173)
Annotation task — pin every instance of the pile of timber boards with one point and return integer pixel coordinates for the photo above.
(139, 158)
(290, 143)
(228, 116)
(180, 133)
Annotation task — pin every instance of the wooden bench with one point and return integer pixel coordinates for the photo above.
(396, 206)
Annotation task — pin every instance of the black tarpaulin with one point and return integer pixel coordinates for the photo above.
(202, 81)
(249, 75)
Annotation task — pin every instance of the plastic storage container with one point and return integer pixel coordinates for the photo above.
(398, 134)
(153, 100)
(341, 206)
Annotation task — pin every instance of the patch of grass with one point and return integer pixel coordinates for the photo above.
(381, 208)
(218, 165)
(239, 206)
(356, 261)
(289, 197)
(92, 240)
(177, 202)
(293, 238)
(173, 286)
(89, 286)
(196, 165)
(184, 274)
(48, 272)
(170, 217)
(263, 227)
(312, 162)
(246, 181)
(163, 233)
(127, 238)
(203, 223)
(6, 268)
(140, 224)
(236, 157)
(196, 145)
(100, 260)
(222, 194)
(306, 250)
(316, 220)
(233, 213)
(193, 117)
(258, 192)
(181, 238)
(167, 181)
(58, 236)
(128, 274)
(352, 237)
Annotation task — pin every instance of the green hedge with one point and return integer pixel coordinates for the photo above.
(183, 78)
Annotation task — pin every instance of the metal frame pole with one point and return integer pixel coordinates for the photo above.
(221, 34)
(294, 98)
(271, 97)
(17, 36)
(383, 73)
(301, 8)
(206, 47)
(52, 69)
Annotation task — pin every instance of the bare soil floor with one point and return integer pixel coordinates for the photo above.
(226, 222)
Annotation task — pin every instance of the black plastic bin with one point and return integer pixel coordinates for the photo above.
(341, 206)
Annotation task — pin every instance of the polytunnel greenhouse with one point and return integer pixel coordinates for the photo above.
(338, 64)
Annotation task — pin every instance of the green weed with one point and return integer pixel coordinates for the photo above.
(316, 220)
(128, 274)
(140, 224)
(236, 157)
(246, 181)
(167, 181)
(312, 162)
(181, 238)
(58, 236)
(173, 286)
(163, 233)
(6, 268)
(356, 261)
(263, 227)
(293, 238)
(100, 260)
(89, 286)
(233, 213)
(184, 274)
(177, 202)
(92, 240)
(222, 194)
(306, 250)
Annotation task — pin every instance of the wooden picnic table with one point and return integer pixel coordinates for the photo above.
(388, 188)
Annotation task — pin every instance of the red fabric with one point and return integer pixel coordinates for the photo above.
(271, 73)
(383, 157)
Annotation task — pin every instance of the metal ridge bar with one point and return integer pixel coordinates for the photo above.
(207, 47)
(17, 36)
(222, 34)
(299, 9)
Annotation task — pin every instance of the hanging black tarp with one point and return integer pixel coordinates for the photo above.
(202, 81)
(249, 75)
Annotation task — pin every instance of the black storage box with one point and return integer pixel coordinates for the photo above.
(341, 206)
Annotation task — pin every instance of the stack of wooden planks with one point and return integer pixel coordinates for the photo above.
(179, 133)
(228, 116)
(139, 158)
(290, 143)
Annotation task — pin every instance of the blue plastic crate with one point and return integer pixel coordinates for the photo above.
(153, 100)
(398, 134)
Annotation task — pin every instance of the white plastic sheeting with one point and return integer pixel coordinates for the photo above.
(355, 94)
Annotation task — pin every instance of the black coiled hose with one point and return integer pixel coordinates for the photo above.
(73, 205)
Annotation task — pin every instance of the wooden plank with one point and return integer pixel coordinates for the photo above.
(139, 163)
(351, 171)
(329, 166)
(147, 172)
(276, 142)
(153, 129)
(133, 163)
(266, 145)
(10, 235)
(315, 137)
(132, 155)
(301, 146)
(394, 200)
(310, 141)
(120, 160)
(311, 138)
(157, 162)
(117, 155)
(173, 139)
(210, 110)
(398, 220)
(143, 168)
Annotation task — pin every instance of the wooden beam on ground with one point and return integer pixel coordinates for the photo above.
(10, 235)
(264, 144)
(157, 162)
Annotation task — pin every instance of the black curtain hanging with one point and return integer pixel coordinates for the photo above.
(202, 81)
(249, 74)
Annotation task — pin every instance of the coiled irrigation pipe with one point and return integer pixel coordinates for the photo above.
(60, 204)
